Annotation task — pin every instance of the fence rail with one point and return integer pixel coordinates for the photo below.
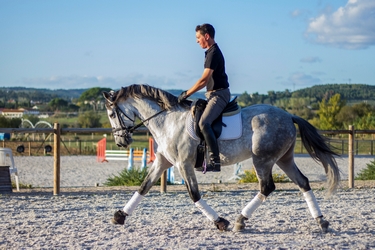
(57, 131)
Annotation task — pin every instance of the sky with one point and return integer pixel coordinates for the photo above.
(268, 45)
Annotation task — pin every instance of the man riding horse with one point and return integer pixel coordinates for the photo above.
(215, 80)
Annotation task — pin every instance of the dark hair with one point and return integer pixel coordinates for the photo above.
(206, 28)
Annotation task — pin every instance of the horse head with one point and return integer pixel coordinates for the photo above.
(121, 118)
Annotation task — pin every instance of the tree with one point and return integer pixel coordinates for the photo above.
(32, 118)
(89, 119)
(272, 96)
(57, 104)
(93, 96)
(244, 99)
(346, 116)
(365, 122)
(358, 113)
(10, 123)
(328, 111)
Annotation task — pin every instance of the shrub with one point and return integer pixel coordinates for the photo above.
(250, 176)
(367, 173)
(132, 177)
(21, 185)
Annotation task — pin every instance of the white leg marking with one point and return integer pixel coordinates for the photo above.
(253, 205)
(207, 210)
(133, 203)
(312, 204)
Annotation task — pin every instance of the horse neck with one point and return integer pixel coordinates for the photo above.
(145, 109)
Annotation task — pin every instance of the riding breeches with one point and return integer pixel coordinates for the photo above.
(216, 102)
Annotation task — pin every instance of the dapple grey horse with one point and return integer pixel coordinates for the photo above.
(268, 136)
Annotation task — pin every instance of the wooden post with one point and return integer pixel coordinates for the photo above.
(163, 182)
(56, 155)
(29, 148)
(351, 156)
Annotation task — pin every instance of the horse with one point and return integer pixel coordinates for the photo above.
(268, 136)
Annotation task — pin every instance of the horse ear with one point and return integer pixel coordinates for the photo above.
(108, 96)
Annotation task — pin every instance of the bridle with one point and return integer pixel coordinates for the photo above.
(126, 131)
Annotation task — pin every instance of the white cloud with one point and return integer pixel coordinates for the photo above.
(311, 59)
(349, 27)
(302, 79)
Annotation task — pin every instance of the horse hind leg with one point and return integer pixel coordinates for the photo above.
(287, 164)
(267, 186)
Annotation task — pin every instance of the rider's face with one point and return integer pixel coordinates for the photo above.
(202, 39)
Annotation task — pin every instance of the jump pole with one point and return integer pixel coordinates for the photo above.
(56, 159)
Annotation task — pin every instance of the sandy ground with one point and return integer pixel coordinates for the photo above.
(79, 217)
(77, 171)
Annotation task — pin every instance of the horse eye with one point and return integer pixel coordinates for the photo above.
(112, 115)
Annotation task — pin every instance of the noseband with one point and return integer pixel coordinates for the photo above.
(123, 130)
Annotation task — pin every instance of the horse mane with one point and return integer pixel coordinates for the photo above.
(163, 98)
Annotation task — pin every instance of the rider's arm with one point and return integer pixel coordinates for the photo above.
(202, 82)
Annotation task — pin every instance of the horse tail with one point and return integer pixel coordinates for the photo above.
(317, 147)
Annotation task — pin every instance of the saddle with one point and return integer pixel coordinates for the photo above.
(197, 109)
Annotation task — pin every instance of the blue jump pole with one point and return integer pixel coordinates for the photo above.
(170, 175)
(131, 159)
(144, 159)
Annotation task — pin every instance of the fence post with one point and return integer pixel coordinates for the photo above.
(56, 156)
(351, 156)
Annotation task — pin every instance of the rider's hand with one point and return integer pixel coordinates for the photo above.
(182, 96)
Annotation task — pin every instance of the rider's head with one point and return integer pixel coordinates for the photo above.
(205, 35)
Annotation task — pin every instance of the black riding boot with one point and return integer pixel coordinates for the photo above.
(213, 163)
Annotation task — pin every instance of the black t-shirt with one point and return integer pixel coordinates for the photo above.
(215, 60)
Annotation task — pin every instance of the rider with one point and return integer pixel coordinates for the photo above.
(215, 80)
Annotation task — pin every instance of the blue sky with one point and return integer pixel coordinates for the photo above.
(267, 45)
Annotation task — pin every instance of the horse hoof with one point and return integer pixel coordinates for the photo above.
(238, 227)
(119, 217)
(323, 224)
(240, 224)
(222, 224)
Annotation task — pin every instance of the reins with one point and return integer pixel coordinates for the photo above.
(132, 129)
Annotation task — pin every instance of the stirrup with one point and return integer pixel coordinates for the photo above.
(213, 165)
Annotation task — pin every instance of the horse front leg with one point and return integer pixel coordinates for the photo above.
(156, 170)
(192, 187)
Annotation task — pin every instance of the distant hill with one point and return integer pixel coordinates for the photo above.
(61, 93)
(348, 92)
